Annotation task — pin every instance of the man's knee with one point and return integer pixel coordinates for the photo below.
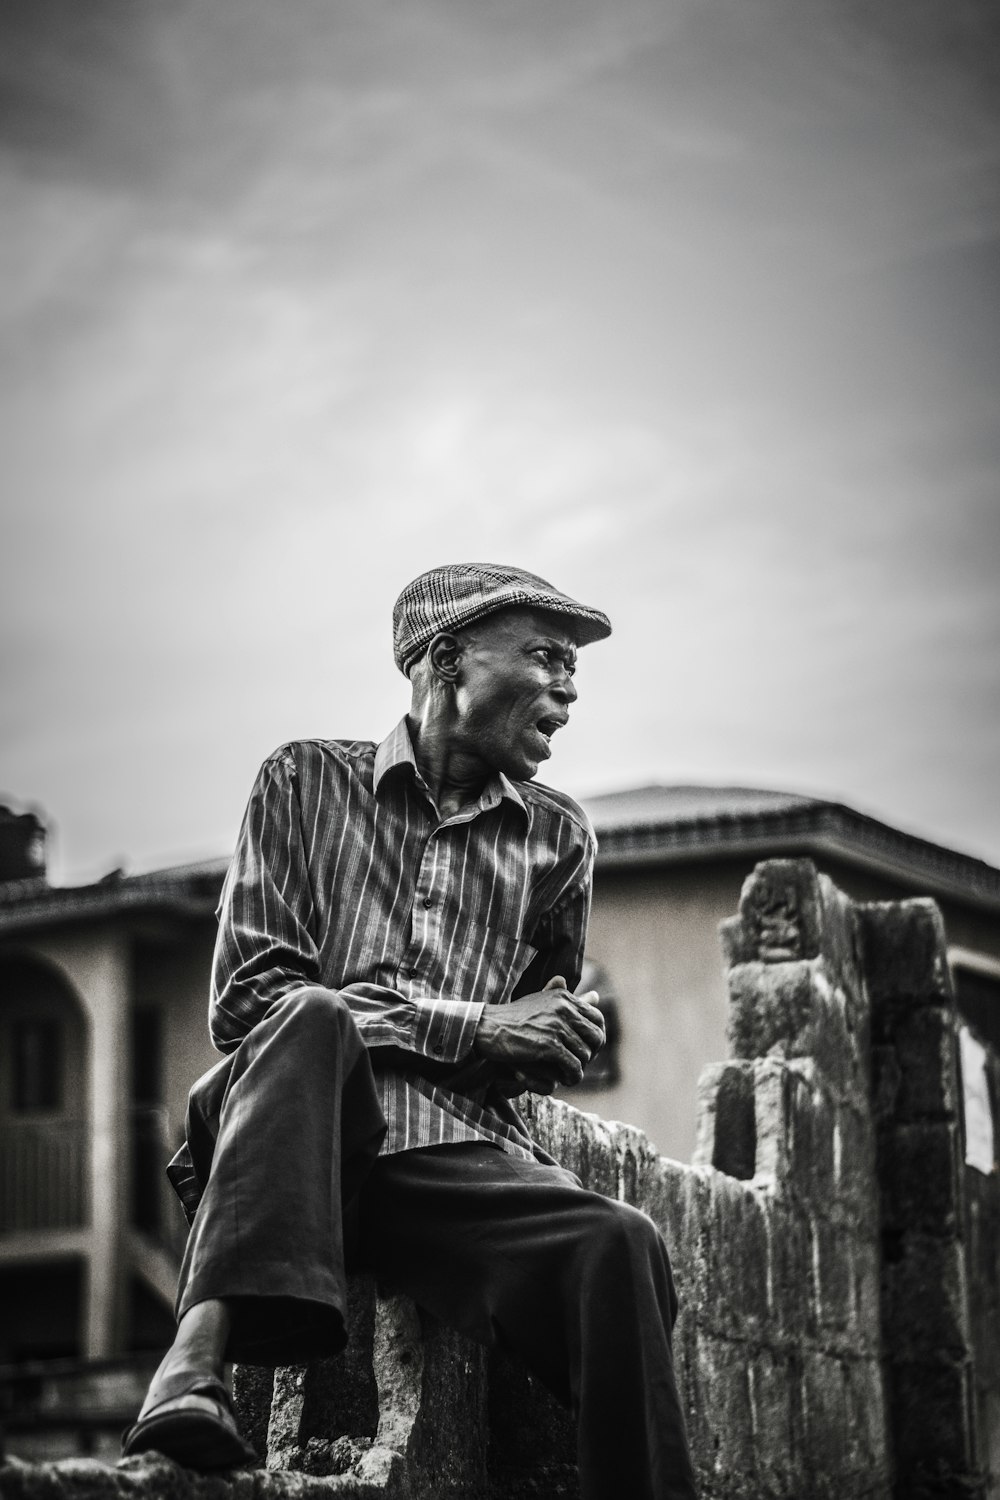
(626, 1239)
(313, 1013)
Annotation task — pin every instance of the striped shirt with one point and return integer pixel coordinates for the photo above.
(345, 875)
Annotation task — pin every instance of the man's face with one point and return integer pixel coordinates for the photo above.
(515, 689)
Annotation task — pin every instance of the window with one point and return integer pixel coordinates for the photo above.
(977, 994)
(604, 1070)
(37, 1052)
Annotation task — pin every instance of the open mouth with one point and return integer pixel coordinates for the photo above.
(547, 727)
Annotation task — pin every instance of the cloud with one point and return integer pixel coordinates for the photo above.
(689, 311)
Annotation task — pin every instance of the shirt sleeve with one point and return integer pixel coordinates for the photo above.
(265, 946)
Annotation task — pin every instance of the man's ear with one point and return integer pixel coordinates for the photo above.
(445, 656)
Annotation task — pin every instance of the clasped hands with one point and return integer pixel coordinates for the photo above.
(541, 1040)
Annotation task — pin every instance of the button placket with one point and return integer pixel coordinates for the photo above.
(424, 928)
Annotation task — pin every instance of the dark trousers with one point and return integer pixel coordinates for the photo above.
(507, 1251)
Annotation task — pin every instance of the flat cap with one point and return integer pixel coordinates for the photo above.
(459, 594)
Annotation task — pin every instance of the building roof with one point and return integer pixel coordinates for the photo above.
(646, 826)
(182, 891)
(663, 824)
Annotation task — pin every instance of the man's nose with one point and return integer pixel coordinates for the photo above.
(567, 688)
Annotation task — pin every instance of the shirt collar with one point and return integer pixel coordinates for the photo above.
(396, 751)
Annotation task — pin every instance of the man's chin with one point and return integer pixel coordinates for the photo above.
(521, 769)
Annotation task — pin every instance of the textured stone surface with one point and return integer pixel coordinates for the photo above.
(925, 1046)
(903, 953)
(924, 1304)
(154, 1478)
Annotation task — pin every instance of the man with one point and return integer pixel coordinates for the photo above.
(400, 933)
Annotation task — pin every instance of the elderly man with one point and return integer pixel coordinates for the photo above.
(400, 933)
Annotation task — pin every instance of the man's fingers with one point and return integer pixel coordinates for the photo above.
(557, 982)
(587, 1023)
(575, 1044)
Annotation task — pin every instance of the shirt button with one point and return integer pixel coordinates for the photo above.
(439, 1051)
(428, 901)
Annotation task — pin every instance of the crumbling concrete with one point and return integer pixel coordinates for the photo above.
(826, 1240)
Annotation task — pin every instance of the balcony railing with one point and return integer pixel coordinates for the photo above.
(43, 1169)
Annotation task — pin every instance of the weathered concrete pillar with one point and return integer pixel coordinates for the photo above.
(796, 1267)
(96, 965)
(925, 1300)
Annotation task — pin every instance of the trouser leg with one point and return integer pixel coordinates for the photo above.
(299, 1125)
(515, 1253)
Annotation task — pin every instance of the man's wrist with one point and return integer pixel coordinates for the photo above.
(485, 1032)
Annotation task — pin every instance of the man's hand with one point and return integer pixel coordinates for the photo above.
(544, 1039)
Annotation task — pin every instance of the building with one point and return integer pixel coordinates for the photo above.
(103, 995)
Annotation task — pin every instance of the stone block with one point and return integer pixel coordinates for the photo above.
(792, 1307)
(581, 1142)
(924, 1297)
(727, 1131)
(833, 1250)
(918, 1171)
(903, 953)
(866, 1437)
(867, 1295)
(732, 1269)
(772, 1009)
(253, 1386)
(781, 911)
(721, 1431)
(676, 1198)
(927, 1057)
(404, 1405)
(839, 1049)
(824, 1410)
(886, 1081)
(812, 1126)
(774, 1386)
(855, 1183)
(329, 1398)
(771, 1110)
(152, 1477)
(792, 1011)
(931, 1410)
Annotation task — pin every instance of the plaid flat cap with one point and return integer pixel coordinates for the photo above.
(459, 594)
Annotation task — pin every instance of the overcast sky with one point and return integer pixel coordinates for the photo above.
(692, 307)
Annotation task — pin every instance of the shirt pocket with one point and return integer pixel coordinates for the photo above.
(493, 965)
